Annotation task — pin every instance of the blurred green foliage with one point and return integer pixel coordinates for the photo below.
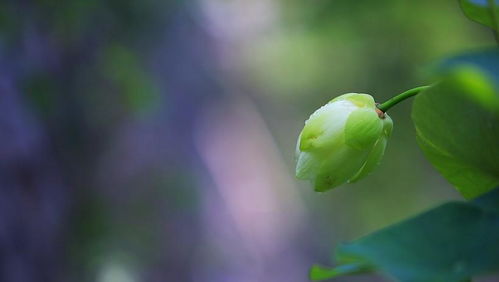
(122, 68)
(485, 12)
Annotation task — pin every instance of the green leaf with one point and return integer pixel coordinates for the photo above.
(489, 201)
(457, 122)
(485, 12)
(318, 272)
(452, 242)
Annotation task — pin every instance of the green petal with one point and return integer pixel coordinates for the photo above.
(373, 159)
(307, 166)
(338, 168)
(313, 131)
(360, 100)
(363, 129)
(324, 129)
(387, 125)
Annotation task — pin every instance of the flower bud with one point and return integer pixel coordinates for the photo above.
(342, 141)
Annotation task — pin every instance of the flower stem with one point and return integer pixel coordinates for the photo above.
(401, 97)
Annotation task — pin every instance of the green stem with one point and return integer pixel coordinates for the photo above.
(401, 97)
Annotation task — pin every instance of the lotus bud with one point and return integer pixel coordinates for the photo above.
(342, 141)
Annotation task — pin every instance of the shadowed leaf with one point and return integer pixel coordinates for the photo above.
(457, 122)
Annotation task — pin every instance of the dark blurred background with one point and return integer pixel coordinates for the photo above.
(154, 140)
